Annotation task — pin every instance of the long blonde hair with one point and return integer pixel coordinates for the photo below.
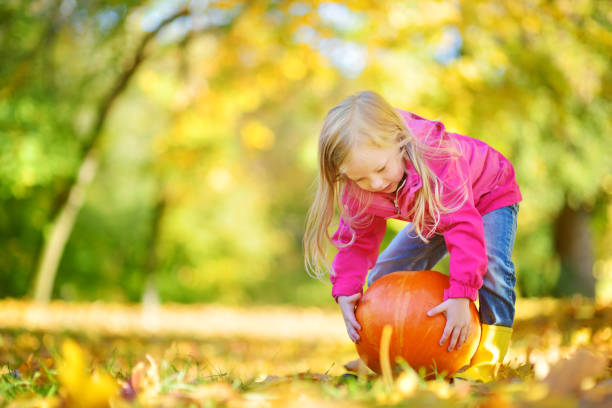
(368, 117)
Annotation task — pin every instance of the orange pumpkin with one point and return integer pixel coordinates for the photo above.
(401, 299)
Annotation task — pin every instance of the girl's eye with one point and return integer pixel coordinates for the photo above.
(381, 169)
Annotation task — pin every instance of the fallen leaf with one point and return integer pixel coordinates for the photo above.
(269, 379)
(496, 400)
(77, 387)
(28, 401)
(407, 382)
(71, 369)
(313, 377)
(601, 394)
(565, 377)
(145, 380)
(219, 393)
(28, 367)
(356, 366)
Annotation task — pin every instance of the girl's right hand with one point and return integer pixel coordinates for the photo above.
(347, 306)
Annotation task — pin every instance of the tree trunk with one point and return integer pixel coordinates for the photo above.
(150, 297)
(54, 245)
(150, 292)
(574, 247)
(55, 242)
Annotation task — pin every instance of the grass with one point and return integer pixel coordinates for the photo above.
(561, 356)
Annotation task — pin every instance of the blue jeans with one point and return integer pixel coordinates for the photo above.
(496, 297)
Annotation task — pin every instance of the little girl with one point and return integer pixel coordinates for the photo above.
(460, 197)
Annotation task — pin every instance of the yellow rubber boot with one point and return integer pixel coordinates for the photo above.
(494, 343)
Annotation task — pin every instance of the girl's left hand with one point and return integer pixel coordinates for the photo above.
(457, 311)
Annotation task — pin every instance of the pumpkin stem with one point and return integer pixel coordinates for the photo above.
(384, 355)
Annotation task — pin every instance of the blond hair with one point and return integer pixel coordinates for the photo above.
(368, 117)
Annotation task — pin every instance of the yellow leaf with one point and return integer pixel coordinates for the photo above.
(441, 388)
(407, 383)
(257, 135)
(100, 388)
(79, 389)
(71, 368)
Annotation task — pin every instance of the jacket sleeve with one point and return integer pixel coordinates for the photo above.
(351, 263)
(463, 233)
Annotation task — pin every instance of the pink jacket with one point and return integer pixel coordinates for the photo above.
(491, 184)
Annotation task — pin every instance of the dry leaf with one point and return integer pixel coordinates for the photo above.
(313, 377)
(601, 394)
(270, 379)
(496, 400)
(566, 376)
(220, 393)
(356, 366)
(28, 401)
(145, 380)
(28, 367)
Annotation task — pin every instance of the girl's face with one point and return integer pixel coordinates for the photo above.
(375, 169)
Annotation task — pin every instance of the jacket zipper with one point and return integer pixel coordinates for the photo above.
(397, 209)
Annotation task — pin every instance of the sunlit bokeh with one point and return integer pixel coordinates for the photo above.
(158, 159)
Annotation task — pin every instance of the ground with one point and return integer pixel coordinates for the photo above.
(214, 356)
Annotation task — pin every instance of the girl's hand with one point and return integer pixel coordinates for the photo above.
(347, 306)
(457, 311)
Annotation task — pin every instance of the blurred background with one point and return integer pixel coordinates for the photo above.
(166, 150)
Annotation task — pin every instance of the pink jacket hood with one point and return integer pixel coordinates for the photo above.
(491, 184)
